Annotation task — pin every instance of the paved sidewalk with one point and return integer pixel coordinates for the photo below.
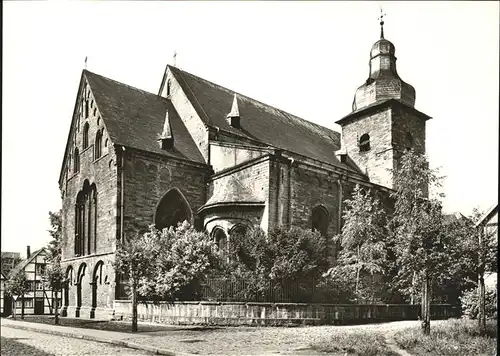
(110, 337)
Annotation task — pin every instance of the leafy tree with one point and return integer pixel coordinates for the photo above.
(418, 228)
(54, 275)
(476, 253)
(159, 264)
(285, 256)
(133, 260)
(17, 285)
(362, 240)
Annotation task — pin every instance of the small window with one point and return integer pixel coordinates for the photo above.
(364, 143)
(86, 108)
(85, 135)
(106, 143)
(98, 120)
(28, 303)
(76, 160)
(168, 88)
(98, 144)
(409, 141)
(95, 112)
(39, 285)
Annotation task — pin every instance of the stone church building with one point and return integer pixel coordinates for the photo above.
(225, 162)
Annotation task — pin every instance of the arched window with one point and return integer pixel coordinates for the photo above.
(238, 231)
(220, 239)
(168, 87)
(76, 160)
(86, 135)
(86, 220)
(364, 143)
(173, 208)
(320, 219)
(86, 108)
(98, 144)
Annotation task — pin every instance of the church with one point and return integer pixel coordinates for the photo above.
(224, 162)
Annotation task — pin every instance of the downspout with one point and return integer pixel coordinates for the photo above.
(122, 184)
(278, 188)
(291, 160)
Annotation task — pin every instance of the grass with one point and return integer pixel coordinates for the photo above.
(354, 343)
(454, 337)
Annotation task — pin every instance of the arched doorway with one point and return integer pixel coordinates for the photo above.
(79, 280)
(96, 283)
(66, 288)
(173, 208)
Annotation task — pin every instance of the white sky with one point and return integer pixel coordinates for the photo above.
(307, 58)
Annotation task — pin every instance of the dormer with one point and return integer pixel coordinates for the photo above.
(233, 118)
(166, 138)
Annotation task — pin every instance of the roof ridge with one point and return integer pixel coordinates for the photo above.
(121, 83)
(281, 111)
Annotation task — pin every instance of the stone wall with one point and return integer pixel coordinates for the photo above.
(147, 178)
(220, 313)
(103, 173)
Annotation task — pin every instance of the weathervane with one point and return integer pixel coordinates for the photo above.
(175, 58)
(85, 62)
(381, 18)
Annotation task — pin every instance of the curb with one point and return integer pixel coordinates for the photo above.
(131, 345)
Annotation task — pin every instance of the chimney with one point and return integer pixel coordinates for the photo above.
(28, 252)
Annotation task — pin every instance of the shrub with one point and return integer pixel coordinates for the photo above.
(470, 304)
(355, 343)
(454, 337)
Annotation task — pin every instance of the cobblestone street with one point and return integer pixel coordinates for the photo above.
(16, 342)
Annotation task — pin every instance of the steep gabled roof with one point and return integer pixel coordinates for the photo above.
(135, 118)
(21, 265)
(259, 121)
(487, 214)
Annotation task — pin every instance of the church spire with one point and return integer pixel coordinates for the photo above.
(381, 18)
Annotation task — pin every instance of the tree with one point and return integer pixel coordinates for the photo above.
(281, 258)
(133, 260)
(185, 256)
(476, 252)
(17, 285)
(417, 227)
(159, 264)
(53, 275)
(362, 240)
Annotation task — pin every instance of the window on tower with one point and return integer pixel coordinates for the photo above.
(364, 143)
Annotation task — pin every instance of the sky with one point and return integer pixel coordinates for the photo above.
(307, 58)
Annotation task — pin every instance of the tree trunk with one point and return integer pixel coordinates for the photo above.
(56, 310)
(481, 288)
(134, 307)
(13, 309)
(22, 306)
(412, 298)
(482, 308)
(426, 305)
(357, 277)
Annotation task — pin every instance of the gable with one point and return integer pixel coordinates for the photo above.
(135, 118)
(259, 122)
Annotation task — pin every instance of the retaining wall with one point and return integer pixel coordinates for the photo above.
(226, 313)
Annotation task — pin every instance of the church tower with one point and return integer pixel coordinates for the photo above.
(383, 122)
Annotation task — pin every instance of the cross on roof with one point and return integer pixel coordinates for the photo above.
(381, 19)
